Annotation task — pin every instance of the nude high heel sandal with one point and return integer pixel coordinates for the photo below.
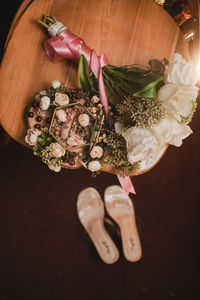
(91, 214)
(120, 208)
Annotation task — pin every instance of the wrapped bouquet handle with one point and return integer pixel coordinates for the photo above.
(63, 44)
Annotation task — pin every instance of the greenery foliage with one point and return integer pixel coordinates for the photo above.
(120, 82)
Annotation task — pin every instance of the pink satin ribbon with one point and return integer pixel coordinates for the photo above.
(69, 46)
(126, 184)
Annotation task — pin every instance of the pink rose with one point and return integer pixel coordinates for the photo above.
(31, 137)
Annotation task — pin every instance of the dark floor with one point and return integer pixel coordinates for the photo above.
(46, 255)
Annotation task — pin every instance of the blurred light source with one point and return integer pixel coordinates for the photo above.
(161, 2)
(198, 66)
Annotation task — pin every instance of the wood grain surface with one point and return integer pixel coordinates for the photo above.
(126, 31)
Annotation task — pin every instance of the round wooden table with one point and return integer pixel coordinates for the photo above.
(127, 31)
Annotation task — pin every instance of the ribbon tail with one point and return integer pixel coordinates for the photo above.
(96, 65)
(126, 184)
(103, 60)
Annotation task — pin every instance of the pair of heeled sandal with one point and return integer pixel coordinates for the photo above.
(119, 206)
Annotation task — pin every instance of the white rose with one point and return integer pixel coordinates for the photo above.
(178, 101)
(96, 152)
(61, 115)
(94, 165)
(169, 131)
(52, 166)
(84, 120)
(44, 103)
(141, 144)
(75, 140)
(61, 99)
(56, 84)
(178, 71)
(57, 150)
(31, 137)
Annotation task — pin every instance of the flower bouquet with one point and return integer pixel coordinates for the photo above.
(121, 118)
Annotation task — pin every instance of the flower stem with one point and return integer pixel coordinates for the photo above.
(47, 21)
(124, 129)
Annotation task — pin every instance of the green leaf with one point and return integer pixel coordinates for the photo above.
(39, 147)
(83, 74)
(41, 141)
(128, 73)
(131, 69)
(93, 84)
(121, 82)
(165, 61)
(42, 135)
(149, 91)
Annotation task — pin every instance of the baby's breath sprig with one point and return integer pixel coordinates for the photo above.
(140, 112)
(46, 155)
(115, 153)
